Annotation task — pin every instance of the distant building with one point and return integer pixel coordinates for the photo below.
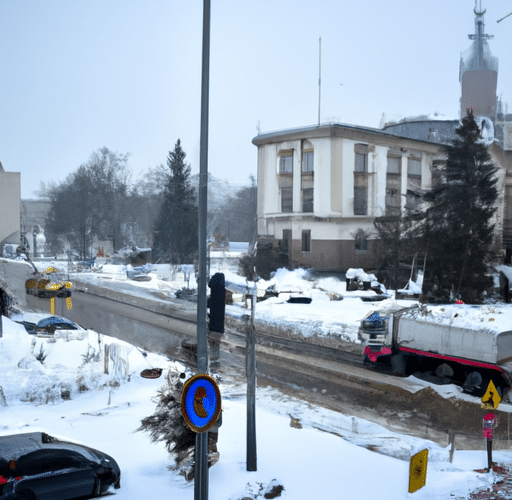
(33, 222)
(321, 187)
(10, 193)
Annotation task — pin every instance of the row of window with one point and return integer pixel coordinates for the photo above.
(286, 242)
(287, 199)
(286, 161)
(394, 164)
(393, 183)
(360, 241)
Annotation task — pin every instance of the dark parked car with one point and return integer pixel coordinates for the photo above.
(37, 466)
(49, 325)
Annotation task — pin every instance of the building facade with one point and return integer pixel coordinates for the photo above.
(320, 188)
(10, 195)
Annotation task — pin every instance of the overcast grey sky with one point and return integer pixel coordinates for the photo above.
(78, 75)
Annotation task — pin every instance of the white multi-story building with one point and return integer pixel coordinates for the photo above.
(321, 187)
(10, 194)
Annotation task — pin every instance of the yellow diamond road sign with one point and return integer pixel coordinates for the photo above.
(491, 399)
(418, 471)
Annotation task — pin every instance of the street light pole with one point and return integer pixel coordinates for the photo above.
(201, 449)
(250, 368)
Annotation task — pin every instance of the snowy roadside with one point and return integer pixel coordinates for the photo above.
(330, 454)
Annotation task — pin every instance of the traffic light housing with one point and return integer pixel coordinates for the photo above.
(217, 302)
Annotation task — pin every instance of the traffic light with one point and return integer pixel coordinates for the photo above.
(217, 303)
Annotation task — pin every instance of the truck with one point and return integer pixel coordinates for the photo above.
(461, 344)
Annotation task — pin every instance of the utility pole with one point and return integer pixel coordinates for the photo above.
(250, 369)
(201, 449)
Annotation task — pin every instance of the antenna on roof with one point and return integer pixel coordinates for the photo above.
(504, 17)
(319, 76)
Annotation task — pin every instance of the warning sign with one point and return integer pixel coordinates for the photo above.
(491, 399)
(418, 471)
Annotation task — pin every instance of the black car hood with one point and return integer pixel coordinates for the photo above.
(14, 446)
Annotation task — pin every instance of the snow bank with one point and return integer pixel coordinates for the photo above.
(47, 369)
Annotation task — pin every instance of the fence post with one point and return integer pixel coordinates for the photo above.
(451, 440)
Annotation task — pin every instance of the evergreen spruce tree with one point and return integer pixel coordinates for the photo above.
(167, 424)
(458, 229)
(175, 235)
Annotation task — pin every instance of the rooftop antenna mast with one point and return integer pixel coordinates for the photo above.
(319, 76)
(504, 17)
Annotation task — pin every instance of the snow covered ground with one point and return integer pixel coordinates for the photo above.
(329, 457)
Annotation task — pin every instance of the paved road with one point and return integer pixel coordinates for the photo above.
(320, 374)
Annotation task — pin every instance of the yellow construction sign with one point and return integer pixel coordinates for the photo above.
(491, 399)
(418, 471)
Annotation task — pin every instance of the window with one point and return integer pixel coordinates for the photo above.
(286, 162)
(307, 184)
(393, 201)
(412, 200)
(393, 185)
(307, 200)
(361, 179)
(361, 242)
(286, 199)
(307, 160)
(414, 167)
(360, 201)
(394, 165)
(287, 240)
(361, 158)
(361, 163)
(306, 240)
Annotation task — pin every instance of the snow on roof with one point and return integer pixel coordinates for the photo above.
(496, 318)
(395, 119)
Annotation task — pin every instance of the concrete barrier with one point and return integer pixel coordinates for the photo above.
(13, 274)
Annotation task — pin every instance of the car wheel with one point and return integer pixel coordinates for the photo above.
(399, 364)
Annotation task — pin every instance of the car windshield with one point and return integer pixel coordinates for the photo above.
(60, 323)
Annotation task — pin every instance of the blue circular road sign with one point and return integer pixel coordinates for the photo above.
(200, 402)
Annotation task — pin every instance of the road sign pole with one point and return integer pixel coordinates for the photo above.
(490, 421)
(201, 449)
(250, 368)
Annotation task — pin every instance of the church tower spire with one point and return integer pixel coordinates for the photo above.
(479, 72)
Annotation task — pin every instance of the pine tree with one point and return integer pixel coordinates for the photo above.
(458, 227)
(167, 424)
(175, 235)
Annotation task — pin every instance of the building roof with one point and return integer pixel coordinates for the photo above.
(329, 130)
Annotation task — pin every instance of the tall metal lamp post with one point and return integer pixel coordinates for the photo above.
(201, 449)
